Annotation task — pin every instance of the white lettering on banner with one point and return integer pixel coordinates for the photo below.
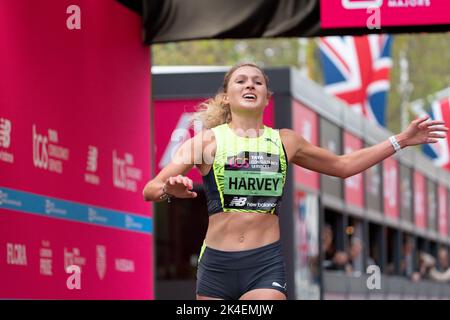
(390, 187)
(130, 223)
(45, 261)
(91, 178)
(366, 4)
(4, 200)
(5, 140)
(92, 159)
(101, 261)
(40, 155)
(91, 166)
(6, 157)
(52, 136)
(46, 153)
(124, 265)
(125, 175)
(50, 208)
(358, 4)
(94, 217)
(119, 179)
(58, 152)
(73, 258)
(16, 254)
(408, 3)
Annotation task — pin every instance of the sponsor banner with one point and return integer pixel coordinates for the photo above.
(74, 151)
(331, 139)
(173, 126)
(81, 131)
(391, 187)
(354, 188)
(432, 205)
(305, 123)
(35, 253)
(72, 211)
(406, 193)
(390, 13)
(372, 181)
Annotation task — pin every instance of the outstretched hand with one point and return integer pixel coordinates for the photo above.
(421, 131)
(180, 187)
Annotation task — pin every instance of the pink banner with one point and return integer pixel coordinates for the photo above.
(175, 128)
(363, 13)
(443, 210)
(74, 148)
(391, 187)
(36, 251)
(305, 123)
(419, 200)
(354, 187)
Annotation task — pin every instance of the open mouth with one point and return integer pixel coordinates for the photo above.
(249, 97)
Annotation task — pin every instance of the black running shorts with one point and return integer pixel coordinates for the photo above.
(230, 274)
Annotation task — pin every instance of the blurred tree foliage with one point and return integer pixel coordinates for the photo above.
(428, 56)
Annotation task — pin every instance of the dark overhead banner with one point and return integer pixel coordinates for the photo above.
(178, 20)
(366, 13)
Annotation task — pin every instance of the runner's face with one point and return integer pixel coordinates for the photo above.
(247, 89)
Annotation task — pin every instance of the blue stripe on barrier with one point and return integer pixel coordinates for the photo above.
(68, 210)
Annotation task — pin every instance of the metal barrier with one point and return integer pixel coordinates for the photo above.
(339, 285)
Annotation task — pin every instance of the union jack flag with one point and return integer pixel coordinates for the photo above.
(356, 70)
(439, 152)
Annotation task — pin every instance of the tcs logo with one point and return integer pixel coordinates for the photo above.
(239, 162)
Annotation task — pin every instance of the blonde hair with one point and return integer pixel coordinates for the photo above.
(214, 111)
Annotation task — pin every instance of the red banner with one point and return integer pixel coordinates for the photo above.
(443, 210)
(391, 187)
(305, 123)
(74, 152)
(420, 218)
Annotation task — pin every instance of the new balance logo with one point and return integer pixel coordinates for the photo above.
(238, 202)
(276, 284)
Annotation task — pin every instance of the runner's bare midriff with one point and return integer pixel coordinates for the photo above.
(236, 231)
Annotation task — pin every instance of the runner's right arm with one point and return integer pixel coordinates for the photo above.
(189, 154)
